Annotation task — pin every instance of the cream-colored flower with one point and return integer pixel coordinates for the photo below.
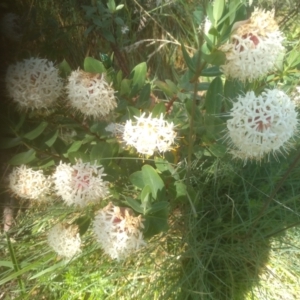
(33, 83)
(80, 184)
(149, 134)
(64, 239)
(118, 231)
(91, 94)
(261, 125)
(254, 47)
(27, 183)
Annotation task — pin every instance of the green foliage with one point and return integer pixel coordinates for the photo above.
(206, 218)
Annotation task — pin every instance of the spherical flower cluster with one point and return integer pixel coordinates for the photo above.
(91, 94)
(261, 125)
(254, 47)
(64, 239)
(80, 184)
(149, 134)
(33, 83)
(10, 27)
(118, 231)
(26, 183)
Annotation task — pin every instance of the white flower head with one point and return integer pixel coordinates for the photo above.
(91, 94)
(124, 29)
(80, 184)
(254, 48)
(118, 231)
(33, 83)
(149, 134)
(27, 183)
(10, 27)
(261, 125)
(64, 239)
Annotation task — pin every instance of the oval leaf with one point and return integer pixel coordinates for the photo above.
(36, 132)
(93, 65)
(151, 178)
(23, 158)
(6, 143)
(52, 140)
(218, 9)
(136, 179)
(138, 75)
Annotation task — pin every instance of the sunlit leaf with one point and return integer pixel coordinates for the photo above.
(138, 76)
(151, 178)
(218, 9)
(136, 179)
(36, 132)
(64, 68)
(93, 65)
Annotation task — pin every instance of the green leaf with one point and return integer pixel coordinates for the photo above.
(101, 153)
(108, 35)
(210, 12)
(23, 158)
(293, 59)
(74, 147)
(83, 224)
(133, 111)
(217, 57)
(36, 132)
(218, 9)
(93, 65)
(211, 72)
(138, 76)
(180, 189)
(232, 10)
(125, 87)
(136, 179)
(51, 269)
(6, 143)
(144, 98)
(151, 178)
(172, 86)
(214, 96)
(188, 60)
(158, 109)
(64, 68)
(233, 88)
(164, 87)
(146, 198)
(135, 205)
(52, 140)
(98, 128)
(46, 163)
(156, 220)
(111, 6)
